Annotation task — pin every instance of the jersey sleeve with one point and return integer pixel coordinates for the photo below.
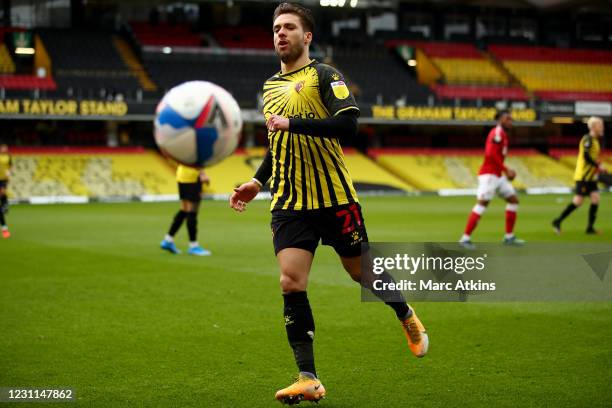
(335, 93)
(586, 143)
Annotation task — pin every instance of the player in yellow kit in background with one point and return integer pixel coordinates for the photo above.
(588, 168)
(5, 175)
(189, 181)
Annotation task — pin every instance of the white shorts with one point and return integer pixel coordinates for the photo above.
(489, 184)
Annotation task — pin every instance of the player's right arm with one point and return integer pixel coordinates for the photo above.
(247, 191)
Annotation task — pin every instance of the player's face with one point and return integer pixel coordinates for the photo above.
(598, 128)
(506, 122)
(289, 37)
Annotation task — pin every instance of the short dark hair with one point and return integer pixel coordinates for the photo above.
(500, 114)
(302, 12)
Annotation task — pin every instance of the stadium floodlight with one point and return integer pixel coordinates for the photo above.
(24, 50)
(354, 3)
(412, 62)
(167, 50)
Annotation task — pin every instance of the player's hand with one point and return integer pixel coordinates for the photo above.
(602, 169)
(204, 178)
(243, 194)
(276, 122)
(510, 174)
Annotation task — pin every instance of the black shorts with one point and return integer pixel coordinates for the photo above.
(585, 188)
(190, 191)
(3, 183)
(341, 227)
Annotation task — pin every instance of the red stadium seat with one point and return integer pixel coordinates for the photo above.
(479, 92)
(27, 82)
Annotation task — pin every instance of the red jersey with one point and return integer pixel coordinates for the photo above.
(496, 149)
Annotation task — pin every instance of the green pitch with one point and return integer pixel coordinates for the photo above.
(88, 301)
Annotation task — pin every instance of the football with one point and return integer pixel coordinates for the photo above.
(197, 123)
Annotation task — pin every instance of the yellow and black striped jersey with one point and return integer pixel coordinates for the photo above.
(308, 172)
(186, 174)
(5, 165)
(586, 170)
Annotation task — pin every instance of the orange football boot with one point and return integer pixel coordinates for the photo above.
(305, 388)
(418, 341)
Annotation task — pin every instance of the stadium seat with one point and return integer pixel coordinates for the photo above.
(254, 37)
(51, 172)
(483, 92)
(241, 75)
(164, 34)
(7, 66)
(435, 169)
(460, 63)
(392, 80)
(559, 74)
(88, 62)
(27, 82)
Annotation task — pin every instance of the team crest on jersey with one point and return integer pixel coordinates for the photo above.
(335, 77)
(340, 89)
(299, 86)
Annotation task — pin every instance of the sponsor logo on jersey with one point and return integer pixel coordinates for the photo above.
(340, 89)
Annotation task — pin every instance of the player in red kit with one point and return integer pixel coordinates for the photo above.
(495, 177)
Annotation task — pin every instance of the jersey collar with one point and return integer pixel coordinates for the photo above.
(280, 74)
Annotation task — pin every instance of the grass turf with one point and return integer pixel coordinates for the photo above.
(89, 301)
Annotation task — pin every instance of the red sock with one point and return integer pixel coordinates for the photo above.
(510, 221)
(472, 222)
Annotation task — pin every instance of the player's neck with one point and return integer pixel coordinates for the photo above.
(302, 61)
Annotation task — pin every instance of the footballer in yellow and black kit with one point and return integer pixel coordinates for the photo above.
(189, 184)
(5, 171)
(587, 165)
(588, 169)
(313, 197)
(309, 111)
(189, 180)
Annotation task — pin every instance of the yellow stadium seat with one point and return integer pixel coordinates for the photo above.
(94, 175)
(365, 171)
(562, 76)
(470, 71)
(7, 66)
(431, 172)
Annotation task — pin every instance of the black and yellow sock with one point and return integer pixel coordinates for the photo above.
(2, 220)
(300, 327)
(177, 222)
